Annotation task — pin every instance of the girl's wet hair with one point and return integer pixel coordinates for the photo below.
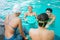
(42, 19)
(30, 6)
(49, 9)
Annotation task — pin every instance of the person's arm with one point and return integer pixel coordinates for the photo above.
(25, 16)
(35, 15)
(53, 19)
(6, 22)
(50, 22)
(21, 30)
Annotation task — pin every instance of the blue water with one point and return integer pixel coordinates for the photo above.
(39, 6)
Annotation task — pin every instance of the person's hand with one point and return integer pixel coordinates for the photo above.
(47, 26)
(48, 23)
(25, 38)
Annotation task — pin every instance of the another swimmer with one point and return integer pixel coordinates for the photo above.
(30, 18)
(12, 22)
(41, 33)
(30, 13)
(51, 17)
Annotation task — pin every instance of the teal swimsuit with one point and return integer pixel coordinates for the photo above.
(31, 19)
(32, 23)
(13, 37)
(16, 35)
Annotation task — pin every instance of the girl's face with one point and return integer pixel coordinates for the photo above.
(18, 13)
(48, 13)
(30, 8)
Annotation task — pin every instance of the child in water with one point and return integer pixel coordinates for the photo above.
(51, 17)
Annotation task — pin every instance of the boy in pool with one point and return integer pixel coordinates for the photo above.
(51, 17)
(41, 33)
(12, 22)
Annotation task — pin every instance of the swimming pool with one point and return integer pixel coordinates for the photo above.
(39, 6)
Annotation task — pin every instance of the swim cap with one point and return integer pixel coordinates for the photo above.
(16, 8)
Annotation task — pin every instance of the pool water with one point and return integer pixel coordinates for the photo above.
(39, 6)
